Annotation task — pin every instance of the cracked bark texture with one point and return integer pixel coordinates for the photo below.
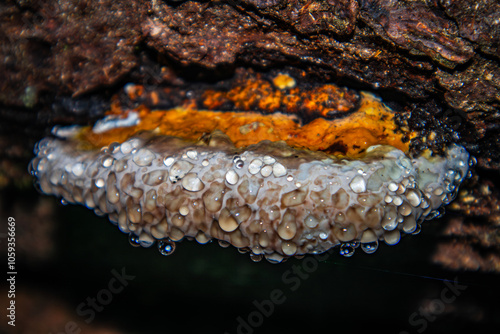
(440, 51)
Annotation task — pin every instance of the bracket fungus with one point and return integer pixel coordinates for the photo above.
(265, 183)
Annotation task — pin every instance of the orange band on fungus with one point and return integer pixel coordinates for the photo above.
(372, 124)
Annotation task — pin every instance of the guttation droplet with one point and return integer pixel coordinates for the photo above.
(166, 247)
(133, 239)
(347, 249)
(369, 247)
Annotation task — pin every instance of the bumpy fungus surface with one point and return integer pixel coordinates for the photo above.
(263, 183)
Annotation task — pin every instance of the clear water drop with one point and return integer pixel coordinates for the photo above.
(107, 161)
(224, 244)
(31, 169)
(274, 258)
(256, 257)
(369, 247)
(114, 147)
(99, 212)
(435, 214)
(166, 247)
(133, 239)
(238, 162)
(417, 229)
(347, 249)
(146, 243)
(38, 187)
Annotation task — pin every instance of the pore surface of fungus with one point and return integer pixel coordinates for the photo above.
(264, 183)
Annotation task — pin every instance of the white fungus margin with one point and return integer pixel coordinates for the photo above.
(269, 198)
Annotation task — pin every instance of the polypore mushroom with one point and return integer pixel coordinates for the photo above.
(274, 198)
